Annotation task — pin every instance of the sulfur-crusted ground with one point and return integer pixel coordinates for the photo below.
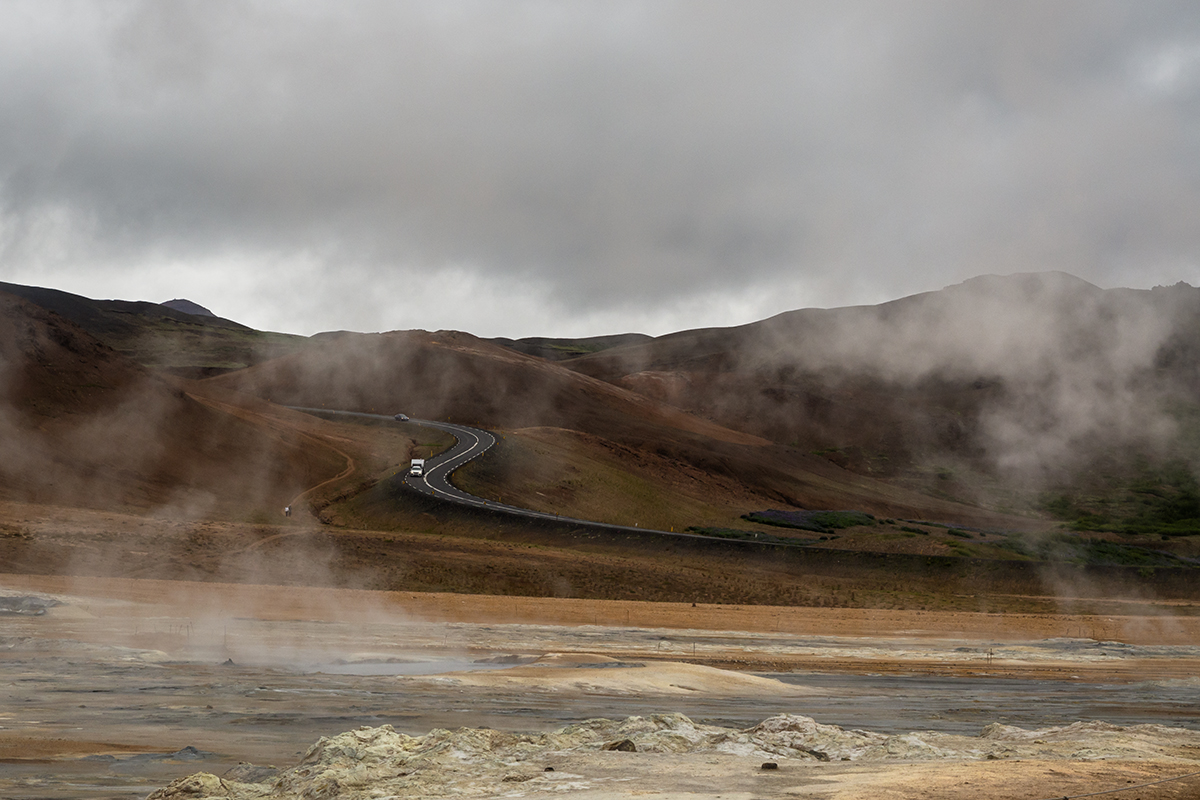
(603, 758)
(122, 688)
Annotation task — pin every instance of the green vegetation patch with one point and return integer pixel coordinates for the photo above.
(1075, 549)
(815, 521)
(561, 349)
(1163, 501)
(747, 536)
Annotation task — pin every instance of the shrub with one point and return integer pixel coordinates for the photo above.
(815, 521)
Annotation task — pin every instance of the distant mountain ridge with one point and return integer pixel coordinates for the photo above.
(109, 317)
(82, 425)
(188, 307)
(986, 392)
(1021, 374)
(553, 349)
(951, 422)
(1028, 374)
(178, 336)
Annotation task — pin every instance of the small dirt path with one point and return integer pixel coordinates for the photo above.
(276, 425)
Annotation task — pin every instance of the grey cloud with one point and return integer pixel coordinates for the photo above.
(619, 155)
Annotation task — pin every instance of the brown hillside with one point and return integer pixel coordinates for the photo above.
(458, 377)
(572, 473)
(1024, 377)
(82, 425)
(172, 337)
(455, 376)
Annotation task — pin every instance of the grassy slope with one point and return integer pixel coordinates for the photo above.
(195, 350)
(578, 475)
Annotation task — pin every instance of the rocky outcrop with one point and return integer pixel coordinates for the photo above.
(475, 762)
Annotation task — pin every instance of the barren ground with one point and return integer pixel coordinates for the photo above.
(105, 692)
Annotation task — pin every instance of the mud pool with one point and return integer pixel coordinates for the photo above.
(103, 696)
(95, 703)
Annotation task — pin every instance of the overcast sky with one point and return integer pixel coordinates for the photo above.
(574, 168)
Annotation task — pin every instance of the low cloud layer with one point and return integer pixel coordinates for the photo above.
(541, 168)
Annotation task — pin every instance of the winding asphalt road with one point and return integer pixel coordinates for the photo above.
(470, 443)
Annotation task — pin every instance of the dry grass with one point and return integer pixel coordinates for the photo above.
(586, 477)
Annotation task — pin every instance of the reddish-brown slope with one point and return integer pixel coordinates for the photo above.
(455, 376)
(458, 377)
(81, 425)
(1023, 375)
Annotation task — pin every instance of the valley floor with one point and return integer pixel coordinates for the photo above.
(130, 684)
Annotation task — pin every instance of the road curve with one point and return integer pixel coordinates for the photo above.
(470, 443)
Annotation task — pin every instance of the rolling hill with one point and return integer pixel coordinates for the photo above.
(84, 426)
(1024, 381)
(177, 337)
(961, 408)
(458, 377)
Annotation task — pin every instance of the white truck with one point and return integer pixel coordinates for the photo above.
(418, 466)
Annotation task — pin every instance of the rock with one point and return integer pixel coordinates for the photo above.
(624, 746)
(380, 762)
(205, 785)
(250, 773)
(26, 606)
(805, 737)
(189, 753)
